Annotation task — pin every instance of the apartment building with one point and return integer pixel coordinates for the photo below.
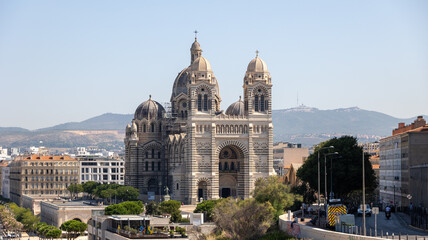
(403, 163)
(101, 169)
(36, 175)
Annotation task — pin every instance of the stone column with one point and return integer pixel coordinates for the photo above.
(214, 165)
(249, 164)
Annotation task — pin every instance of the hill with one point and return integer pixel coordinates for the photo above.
(302, 124)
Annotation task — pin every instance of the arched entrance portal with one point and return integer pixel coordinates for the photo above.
(231, 160)
(202, 190)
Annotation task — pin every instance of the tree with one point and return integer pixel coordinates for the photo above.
(347, 170)
(172, 207)
(29, 221)
(89, 187)
(244, 219)
(54, 233)
(73, 226)
(75, 189)
(276, 193)
(153, 208)
(124, 208)
(127, 193)
(207, 208)
(108, 193)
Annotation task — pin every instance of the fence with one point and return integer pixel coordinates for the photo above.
(419, 218)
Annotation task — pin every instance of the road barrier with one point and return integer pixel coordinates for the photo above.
(307, 232)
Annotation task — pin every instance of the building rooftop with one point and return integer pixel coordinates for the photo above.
(129, 217)
(79, 203)
(35, 157)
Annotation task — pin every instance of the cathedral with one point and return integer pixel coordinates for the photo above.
(194, 150)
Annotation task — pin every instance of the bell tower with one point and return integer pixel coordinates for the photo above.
(257, 88)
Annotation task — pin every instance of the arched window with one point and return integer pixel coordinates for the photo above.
(226, 166)
(152, 127)
(256, 103)
(199, 102)
(147, 154)
(178, 186)
(205, 102)
(147, 166)
(159, 155)
(219, 166)
(182, 114)
(185, 113)
(153, 166)
(153, 153)
(262, 103)
(159, 166)
(232, 166)
(144, 127)
(160, 127)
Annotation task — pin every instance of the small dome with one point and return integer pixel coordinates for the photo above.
(201, 64)
(196, 46)
(149, 110)
(257, 65)
(236, 108)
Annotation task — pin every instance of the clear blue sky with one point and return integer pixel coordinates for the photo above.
(64, 61)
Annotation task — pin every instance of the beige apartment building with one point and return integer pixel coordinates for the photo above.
(403, 162)
(37, 176)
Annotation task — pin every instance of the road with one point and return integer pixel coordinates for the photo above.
(398, 223)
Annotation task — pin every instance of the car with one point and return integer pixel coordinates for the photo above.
(368, 210)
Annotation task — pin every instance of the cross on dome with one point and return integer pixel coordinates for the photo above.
(257, 53)
(196, 34)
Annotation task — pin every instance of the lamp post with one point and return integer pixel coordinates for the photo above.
(364, 197)
(331, 177)
(319, 181)
(325, 174)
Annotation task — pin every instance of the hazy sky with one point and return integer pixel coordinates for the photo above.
(64, 61)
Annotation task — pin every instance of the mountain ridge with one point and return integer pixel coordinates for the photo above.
(302, 124)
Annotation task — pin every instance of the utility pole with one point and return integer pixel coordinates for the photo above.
(364, 197)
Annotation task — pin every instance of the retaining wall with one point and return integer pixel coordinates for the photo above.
(307, 232)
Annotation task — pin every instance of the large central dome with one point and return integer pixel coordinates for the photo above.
(198, 64)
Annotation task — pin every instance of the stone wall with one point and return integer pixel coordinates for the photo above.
(307, 232)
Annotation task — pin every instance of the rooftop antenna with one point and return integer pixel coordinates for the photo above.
(297, 97)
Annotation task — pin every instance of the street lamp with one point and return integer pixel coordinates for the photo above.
(364, 197)
(325, 173)
(331, 177)
(319, 181)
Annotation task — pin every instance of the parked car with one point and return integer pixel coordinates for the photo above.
(368, 210)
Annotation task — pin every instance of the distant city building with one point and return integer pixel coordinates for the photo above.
(194, 148)
(37, 175)
(101, 169)
(5, 182)
(403, 162)
(37, 150)
(3, 175)
(286, 154)
(3, 154)
(14, 152)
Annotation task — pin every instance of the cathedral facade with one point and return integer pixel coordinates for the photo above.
(195, 150)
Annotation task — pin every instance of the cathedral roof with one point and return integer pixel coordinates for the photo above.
(201, 64)
(236, 108)
(196, 46)
(257, 65)
(180, 83)
(149, 110)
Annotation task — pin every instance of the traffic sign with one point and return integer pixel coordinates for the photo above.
(375, 210)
